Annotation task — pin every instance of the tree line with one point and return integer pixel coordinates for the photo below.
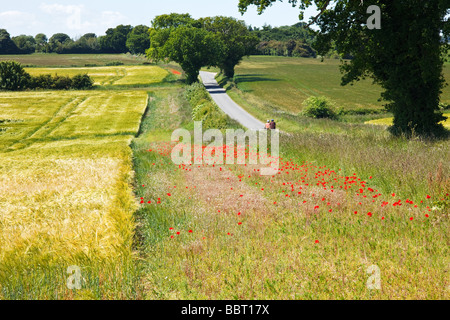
(291, 41)
(121, 39)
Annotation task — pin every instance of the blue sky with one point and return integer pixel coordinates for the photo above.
(78, 17)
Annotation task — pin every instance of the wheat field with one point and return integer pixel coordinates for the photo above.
(65, 195)
(104, 76)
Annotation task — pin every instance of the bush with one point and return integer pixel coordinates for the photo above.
(43, 81)
(319, 107)
(359, 112)
(13, 77)
(114, 63)
(204, 109)
(49, 82)
(195, 93)
(82, 82)
(62, 83)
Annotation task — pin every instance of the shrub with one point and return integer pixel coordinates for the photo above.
(82, 82)
(195, 93)
(359, 112)
(43, 81)
(13, 77)
(62, 83)
(319, 107)
(114, 63)
(204, 109)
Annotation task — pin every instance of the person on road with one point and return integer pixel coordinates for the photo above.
(273, 125)
(268, 125)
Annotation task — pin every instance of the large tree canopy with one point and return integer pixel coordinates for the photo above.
(238, 40)
(405, 56)
(26, 44)
(115, 39)
(217, 41)
(179, 38)
(7, 46)
(57, 42)
(138, 40)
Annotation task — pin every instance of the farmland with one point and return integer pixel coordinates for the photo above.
(106, 76)
(80, 186)
(275, 87)
(73, 60)
(66, 196)
(339, 205)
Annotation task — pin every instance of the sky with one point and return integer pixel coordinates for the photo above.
(77, 17)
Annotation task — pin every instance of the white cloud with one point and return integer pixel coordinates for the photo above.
(70, 15)
(77, 18)
(15, 19)
(111, 19)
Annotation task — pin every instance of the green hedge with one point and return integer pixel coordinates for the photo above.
(204, 109)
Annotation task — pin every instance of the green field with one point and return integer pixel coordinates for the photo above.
(66, 196)
(73, 60)
(87, 180)
(275, 87)
(225, 232)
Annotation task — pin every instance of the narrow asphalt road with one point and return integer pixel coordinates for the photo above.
(228, 106)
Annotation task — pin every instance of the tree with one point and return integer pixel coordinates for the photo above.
(58, 41)
(7, 46)
(139, 39)
(88, 43)
(174, 37)
(25, 44)
(405, 56)
(172, 21)
(115, 40)
(13, 77)
(41, 41)
(237, 39)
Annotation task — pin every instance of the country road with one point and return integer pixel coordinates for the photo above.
(225, 103)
